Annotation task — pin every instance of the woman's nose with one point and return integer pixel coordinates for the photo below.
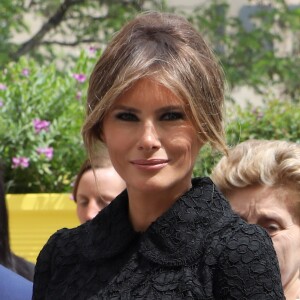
(149, 139)
(92, 210)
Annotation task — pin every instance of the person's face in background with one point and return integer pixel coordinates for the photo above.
(93, 194)
(274, 209)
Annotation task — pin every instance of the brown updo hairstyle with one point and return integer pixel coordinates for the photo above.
(166, 48)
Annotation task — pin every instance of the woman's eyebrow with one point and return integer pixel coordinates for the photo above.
(170, 108)
(159, 110)
(124, 107)
(267, 217)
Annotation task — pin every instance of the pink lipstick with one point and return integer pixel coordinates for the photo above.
(150, 164)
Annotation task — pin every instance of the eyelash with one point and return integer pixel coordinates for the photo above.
(168, 116)
(172, 116)
(126, 116)
(271, 228)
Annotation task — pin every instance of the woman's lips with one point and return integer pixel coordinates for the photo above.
(150, 164)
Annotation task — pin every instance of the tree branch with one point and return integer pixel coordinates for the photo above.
(53, 22)
(69, 44)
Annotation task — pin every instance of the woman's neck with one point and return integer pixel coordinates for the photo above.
(146, 207)
(292, 289)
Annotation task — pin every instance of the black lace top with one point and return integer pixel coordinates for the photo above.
(198, 249)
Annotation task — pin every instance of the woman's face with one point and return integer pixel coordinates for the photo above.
(94, 193)
(273, 209)
(151, 142)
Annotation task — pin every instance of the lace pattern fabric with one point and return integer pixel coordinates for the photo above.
(198, 249)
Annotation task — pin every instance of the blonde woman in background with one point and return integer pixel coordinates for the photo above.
(261, 180)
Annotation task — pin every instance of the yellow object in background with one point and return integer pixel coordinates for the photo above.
(33, 218)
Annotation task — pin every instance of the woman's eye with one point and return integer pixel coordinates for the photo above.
(103, 202)
(172, 116)
(82, 203)
(127, 116)
(272, 228)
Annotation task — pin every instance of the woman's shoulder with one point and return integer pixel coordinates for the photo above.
(246, 260)
(93, 240)
(63, 243)
(239, 251)
(250, 237)
(66, 235)
(225, 226)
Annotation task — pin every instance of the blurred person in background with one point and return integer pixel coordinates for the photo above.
(95, 188)
(7, 258)
(261, 180)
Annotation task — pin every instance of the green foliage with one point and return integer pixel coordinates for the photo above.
(32, 90)
(250, 55)
(10, 21)
(63, 25)
(32, 96)
(273, 120)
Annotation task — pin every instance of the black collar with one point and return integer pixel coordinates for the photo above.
(175, 238)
